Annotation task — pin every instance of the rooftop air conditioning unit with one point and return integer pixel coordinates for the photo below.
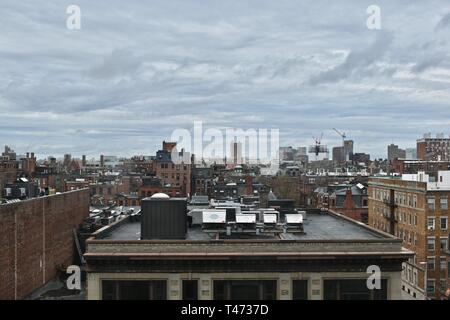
(294, 221)
(270, 219)
(214, 219)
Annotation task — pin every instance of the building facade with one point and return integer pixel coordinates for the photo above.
(313, 265)
(416, 211)
(437, 149)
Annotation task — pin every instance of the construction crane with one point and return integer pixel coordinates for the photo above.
(342, 134)
(318, 148)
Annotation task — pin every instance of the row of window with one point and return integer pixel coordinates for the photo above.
(442, 243)
(431, 263)
(431, 203)
(345, 289)
(400, 198)
(443, 223)
(431, 286)
(176, 167)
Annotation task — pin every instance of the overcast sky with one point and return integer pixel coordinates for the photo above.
(137, 70)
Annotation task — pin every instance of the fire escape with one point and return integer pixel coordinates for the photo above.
(391, 215)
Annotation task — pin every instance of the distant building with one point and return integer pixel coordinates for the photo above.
(361, 158)
(411, 153)
(236, 153)
(436, 149)
(348, 150)
(338, 155)
(394, 152)
(171, 174)
(349, 199)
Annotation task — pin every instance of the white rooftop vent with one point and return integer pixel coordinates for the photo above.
(270, 218)
(294, 218)
(160, 195)
(214, 216)
(360, 186)
(23, 179)
(246, 218)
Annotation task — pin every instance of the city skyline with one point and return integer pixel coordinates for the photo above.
(136, 72)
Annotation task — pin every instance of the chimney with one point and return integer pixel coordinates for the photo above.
(249, 185)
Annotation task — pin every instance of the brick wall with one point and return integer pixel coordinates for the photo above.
(35, 237)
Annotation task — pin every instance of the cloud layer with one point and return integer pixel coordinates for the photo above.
(136, 71)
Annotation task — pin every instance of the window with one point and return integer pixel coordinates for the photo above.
(415, 220)
(354, 289)
(443, 264)
(415, 277)
(190, 290)
(134, 290)
(430, 223)
(444, 204)
(431, 286)
(431, 243)
(300, 290)
(443, 285)
(245, 290)
(430, 202)
(444, 243)
(444, 223)
(430, 264)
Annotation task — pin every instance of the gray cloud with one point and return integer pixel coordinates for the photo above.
(137, 70)
(358, 62)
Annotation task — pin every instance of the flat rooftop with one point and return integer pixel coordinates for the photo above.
(323, 226)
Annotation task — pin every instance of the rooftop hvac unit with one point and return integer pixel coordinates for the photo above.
(163, 217)
(8, 192)
(23, 192)
(246, 221)
(294, 221)
(216, 216)
(270, 219)
(231, 212)
(247, 218)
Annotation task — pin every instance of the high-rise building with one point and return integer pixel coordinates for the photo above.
(394, 152)
(338, 155)
(348, 150)
(434, 149)
(236, 153)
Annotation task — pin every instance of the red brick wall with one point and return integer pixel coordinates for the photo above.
(35, 237)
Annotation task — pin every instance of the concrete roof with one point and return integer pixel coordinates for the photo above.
(324, 226)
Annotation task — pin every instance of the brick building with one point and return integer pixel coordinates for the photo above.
(430, 167)
(429, 148)
(416, 210)
(350, 200)
(36, 238)
(152, 185)
(175, 175)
